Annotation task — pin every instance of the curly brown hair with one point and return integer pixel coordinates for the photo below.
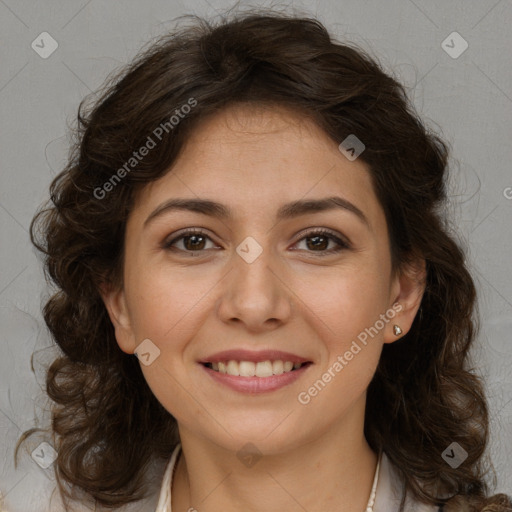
(106, 422)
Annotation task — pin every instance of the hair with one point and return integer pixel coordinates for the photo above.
(107, 424)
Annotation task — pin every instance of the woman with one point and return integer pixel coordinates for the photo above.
(257, 287)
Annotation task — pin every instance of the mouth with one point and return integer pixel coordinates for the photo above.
(260, 369)
(254, 372)
(250, 372)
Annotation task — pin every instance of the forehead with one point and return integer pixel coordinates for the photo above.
(254, 157)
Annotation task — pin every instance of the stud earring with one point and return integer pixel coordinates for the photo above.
(397, 330)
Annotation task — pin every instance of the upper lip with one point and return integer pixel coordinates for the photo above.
(254, 356)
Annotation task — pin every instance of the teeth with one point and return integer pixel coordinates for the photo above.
(232, 368)
(277, 367)
(264, 369)
(247, 369)
(250, 369)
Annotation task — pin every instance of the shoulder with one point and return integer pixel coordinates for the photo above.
(390, 490)
(46, 496)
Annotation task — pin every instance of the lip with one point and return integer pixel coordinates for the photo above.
(256, 385)
(253, 356)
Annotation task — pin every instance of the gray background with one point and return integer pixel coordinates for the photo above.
(468, 99)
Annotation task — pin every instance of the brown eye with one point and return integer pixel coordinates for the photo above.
(191, 241)
(195, 242)
(318, 241)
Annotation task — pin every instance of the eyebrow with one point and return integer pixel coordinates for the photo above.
(287, 211)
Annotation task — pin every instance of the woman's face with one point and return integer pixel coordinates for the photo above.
(258, 280)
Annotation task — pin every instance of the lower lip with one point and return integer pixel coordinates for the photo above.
(256, 385)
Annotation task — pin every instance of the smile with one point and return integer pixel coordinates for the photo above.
(253, 372)
(261, 369)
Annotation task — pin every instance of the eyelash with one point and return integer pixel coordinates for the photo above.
(342, 245)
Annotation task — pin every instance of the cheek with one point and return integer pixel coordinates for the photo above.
(345, 301)
(344, 320)
(162, 301)
(343, 312)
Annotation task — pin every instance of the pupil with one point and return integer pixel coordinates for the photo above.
(316, 244)
(194, 243)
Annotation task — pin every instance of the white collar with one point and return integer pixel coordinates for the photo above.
(390, 489)
(164, 501)
(386, 488)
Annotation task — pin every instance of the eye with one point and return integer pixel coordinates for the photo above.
(193, 240)
(317, 241)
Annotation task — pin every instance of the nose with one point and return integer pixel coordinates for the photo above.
(255, 294)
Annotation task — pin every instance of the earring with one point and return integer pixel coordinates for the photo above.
(397, 330)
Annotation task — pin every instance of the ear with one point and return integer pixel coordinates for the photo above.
(115, 302)
(407, 291)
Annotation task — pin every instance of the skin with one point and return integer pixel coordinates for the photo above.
(291, 298)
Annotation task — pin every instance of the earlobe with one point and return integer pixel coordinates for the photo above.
(410, 287)
(397, 330)
(115, 303)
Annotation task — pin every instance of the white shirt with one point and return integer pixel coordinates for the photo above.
(388, 490)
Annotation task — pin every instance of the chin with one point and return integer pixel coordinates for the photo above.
(269, 436)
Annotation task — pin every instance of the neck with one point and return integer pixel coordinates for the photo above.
(330, 473)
